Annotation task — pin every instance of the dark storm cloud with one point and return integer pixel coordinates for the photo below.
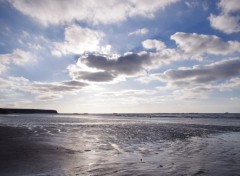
(202, 74)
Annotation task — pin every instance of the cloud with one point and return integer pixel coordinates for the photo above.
(100, 76)
(42, 90)
(103, 68)
(127, 97)
(217, 71)
(56, 87)
(228, 20)
(153, 44)
(79, 40)
(13, 82)
(129, 93)
(192, 3)
(225, 23)
(190, 93)
(198, 81)
(109, 11)
(229, 6)
(3, 68)
(106, 68)
(18, 57)
(195, 45)
(233, 83)
(128, 64)
(141, 31)
(48, 97)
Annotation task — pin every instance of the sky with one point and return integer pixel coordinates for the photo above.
(131, 56)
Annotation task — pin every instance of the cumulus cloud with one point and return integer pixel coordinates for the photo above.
(66, 11)
(128, 64)
(228, 20)
(229, 6)
(195, 45)
(103, 68)
(106, 68)
(200, 80)
(153, 44)
(226, 23)
(141, 31)
(79, 40)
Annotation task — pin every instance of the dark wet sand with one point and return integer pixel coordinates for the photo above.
(22, 152)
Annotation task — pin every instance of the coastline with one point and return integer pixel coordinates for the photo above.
(26, 111)
(49, 145)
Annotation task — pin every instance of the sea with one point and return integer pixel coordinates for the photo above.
(174, 144)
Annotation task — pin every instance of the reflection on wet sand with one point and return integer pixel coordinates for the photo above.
(66, 147)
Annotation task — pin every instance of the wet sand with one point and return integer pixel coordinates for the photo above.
(22, 153)
(119, 149)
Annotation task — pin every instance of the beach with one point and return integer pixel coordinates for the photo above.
(172, 144)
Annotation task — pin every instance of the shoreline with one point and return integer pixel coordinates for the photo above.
(26, 111)
(115, 149)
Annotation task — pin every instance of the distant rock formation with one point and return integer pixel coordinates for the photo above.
(26, 111)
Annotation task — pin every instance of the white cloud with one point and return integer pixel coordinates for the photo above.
(141, 31)
(13, 83)
(226, 23)
(195, 45)
(79, 40)
(228, 20)
(200, 80)
(42, 90)
(21, 57)
(107, 11)
(153, 44)
(48, 97)
(129, 93)
(65, 87)
(189, 93)
(229, 6)
(104, 68)
(34, 46)
(3, 68)
(18, 57)
(233, 83)
(192, 3)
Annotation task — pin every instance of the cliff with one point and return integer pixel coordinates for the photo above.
(26, 111)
